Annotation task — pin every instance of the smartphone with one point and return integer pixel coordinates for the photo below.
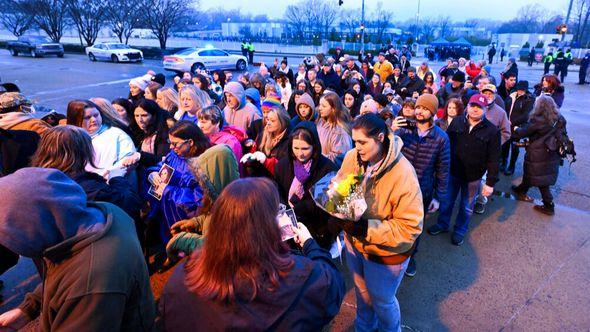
(286, 220)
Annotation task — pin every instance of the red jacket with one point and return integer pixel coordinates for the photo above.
(472, 70)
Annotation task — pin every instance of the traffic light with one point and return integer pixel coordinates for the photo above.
(562, 29)
(340, 2)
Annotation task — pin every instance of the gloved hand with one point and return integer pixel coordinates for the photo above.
(434, 205)
(261, 157)
(183, 244)
(185, 225)
(246, 158)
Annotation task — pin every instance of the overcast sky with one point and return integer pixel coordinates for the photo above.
(458, 10)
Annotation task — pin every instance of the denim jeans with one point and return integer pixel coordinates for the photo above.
(469, 191)
(375, 286)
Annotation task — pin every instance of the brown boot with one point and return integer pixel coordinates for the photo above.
(546, 208)
(520, 195)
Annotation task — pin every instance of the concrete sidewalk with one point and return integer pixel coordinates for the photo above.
(517, 271)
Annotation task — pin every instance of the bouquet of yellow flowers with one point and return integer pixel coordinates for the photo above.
(344, 199)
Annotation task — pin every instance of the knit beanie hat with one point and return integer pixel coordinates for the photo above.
(459, 76)
(381, 99)
(428, 101)
(159, 78)
(271, 102)
(139, 82)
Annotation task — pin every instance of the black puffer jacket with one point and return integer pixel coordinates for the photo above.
(474, 152)
(430, 155)
(408, 86)
(305, 209)
(541, 161)
(518, 108)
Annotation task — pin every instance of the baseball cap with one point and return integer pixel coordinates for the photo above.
(388, 91)
(479, 100)
(489, 87)
(13, 99)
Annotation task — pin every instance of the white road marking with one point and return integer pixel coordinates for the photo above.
(41, 93)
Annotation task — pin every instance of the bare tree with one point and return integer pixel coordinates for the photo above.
(50, 16)
(349, 21)
(14, 19)
(581, 14)
(312, 17)
(427, 27)
(296, 20)
(444, 24)
(164, 16)
(530, 16)
(472, 23)
(88, 17)
(327, 12)
(381, 20)
(122, 17)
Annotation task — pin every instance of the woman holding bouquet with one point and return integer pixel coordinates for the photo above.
(296, 173)
(378, 246)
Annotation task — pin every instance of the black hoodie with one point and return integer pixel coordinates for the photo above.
(305, 209)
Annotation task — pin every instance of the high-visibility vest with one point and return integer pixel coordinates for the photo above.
(569, 55)
(548, 59)
(251, 47)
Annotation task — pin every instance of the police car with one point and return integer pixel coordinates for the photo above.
(115, 52)
(209, 58)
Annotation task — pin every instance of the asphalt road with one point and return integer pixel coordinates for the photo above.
(518, 270)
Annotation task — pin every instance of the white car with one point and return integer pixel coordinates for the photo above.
(115, 52)
(194, 59)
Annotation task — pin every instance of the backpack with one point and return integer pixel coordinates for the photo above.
(560, 141)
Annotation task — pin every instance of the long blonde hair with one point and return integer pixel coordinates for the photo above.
(199, 97)
(168, 99)
(269, 141)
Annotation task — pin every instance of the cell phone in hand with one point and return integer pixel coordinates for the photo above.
(287, 219)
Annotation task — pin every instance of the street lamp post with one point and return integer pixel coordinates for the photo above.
(567, 18)
(417, 21)
(363, 27)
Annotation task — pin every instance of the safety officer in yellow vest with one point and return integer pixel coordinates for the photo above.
(244, 48)
(547, 61)
(251, 52)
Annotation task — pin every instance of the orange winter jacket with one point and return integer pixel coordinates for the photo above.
(395, 212)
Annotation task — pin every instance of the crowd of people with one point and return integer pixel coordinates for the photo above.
(201, 166)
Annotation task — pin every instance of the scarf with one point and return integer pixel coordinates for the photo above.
(269, 143)
(302, 174)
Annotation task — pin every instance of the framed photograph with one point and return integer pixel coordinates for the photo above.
(287, 220)
(165, 174)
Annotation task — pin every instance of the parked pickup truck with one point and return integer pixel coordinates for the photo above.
(35, 46)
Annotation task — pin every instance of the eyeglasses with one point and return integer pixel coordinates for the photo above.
(177, 145)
